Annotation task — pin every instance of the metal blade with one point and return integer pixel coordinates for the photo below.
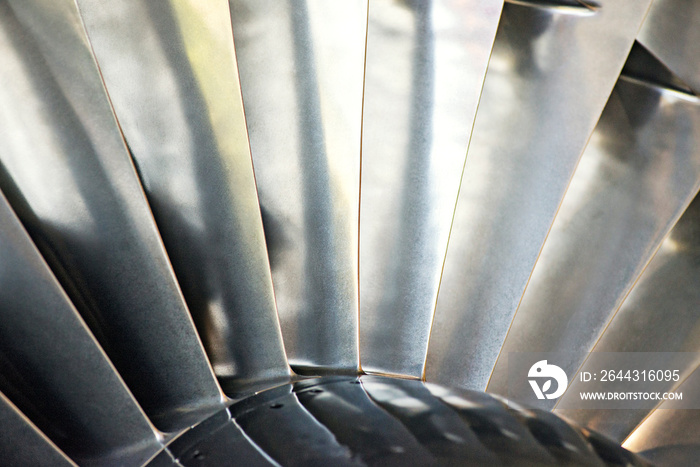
(549, 78)
(51, 367)
(171, 75)
(301, 67)
(671, 427)
(67, 173)
(27, 445)
(425, 68)
(670, 32)
(638, 174)
(659, 315)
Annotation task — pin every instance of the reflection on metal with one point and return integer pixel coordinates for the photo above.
(671, 427)
(67, 174)
(549, 78)
(171, 74)
(425, 67)
(338, 407)
(51, 367)
(26, 443)
(639, 172)
(425, 416)
(301, 67)
(373, 420)
(285, 431)
(496, 427)
(643, 67)
(217, 441)
(572, 7)
(671, 33)
(660, 314)
(672, 455)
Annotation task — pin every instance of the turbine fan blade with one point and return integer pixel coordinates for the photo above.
(670, 32)
(675, 430)
(301, 66)
(202, 204)
(659, 315)
(52, 368)
(27, 442)
(637, 175)
(67, 173)
(425, 68)
(170, 71)
(549, 78)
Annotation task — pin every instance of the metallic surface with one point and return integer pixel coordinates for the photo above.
(424, 415)
(301, 67)
(490, 422)
(549, 77)
(426, 62)
(163, 459)
(540, 437)
(336, 405)
(27, 445)
(672, 455)
(573, 7)
(671, 33)
(659, 315)
(51, 366)
(672, 427)
(378, 421)
(83, 267)
(216, 441)
(639, 172)
(295, 432)
(67, 173)
(170, 71)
